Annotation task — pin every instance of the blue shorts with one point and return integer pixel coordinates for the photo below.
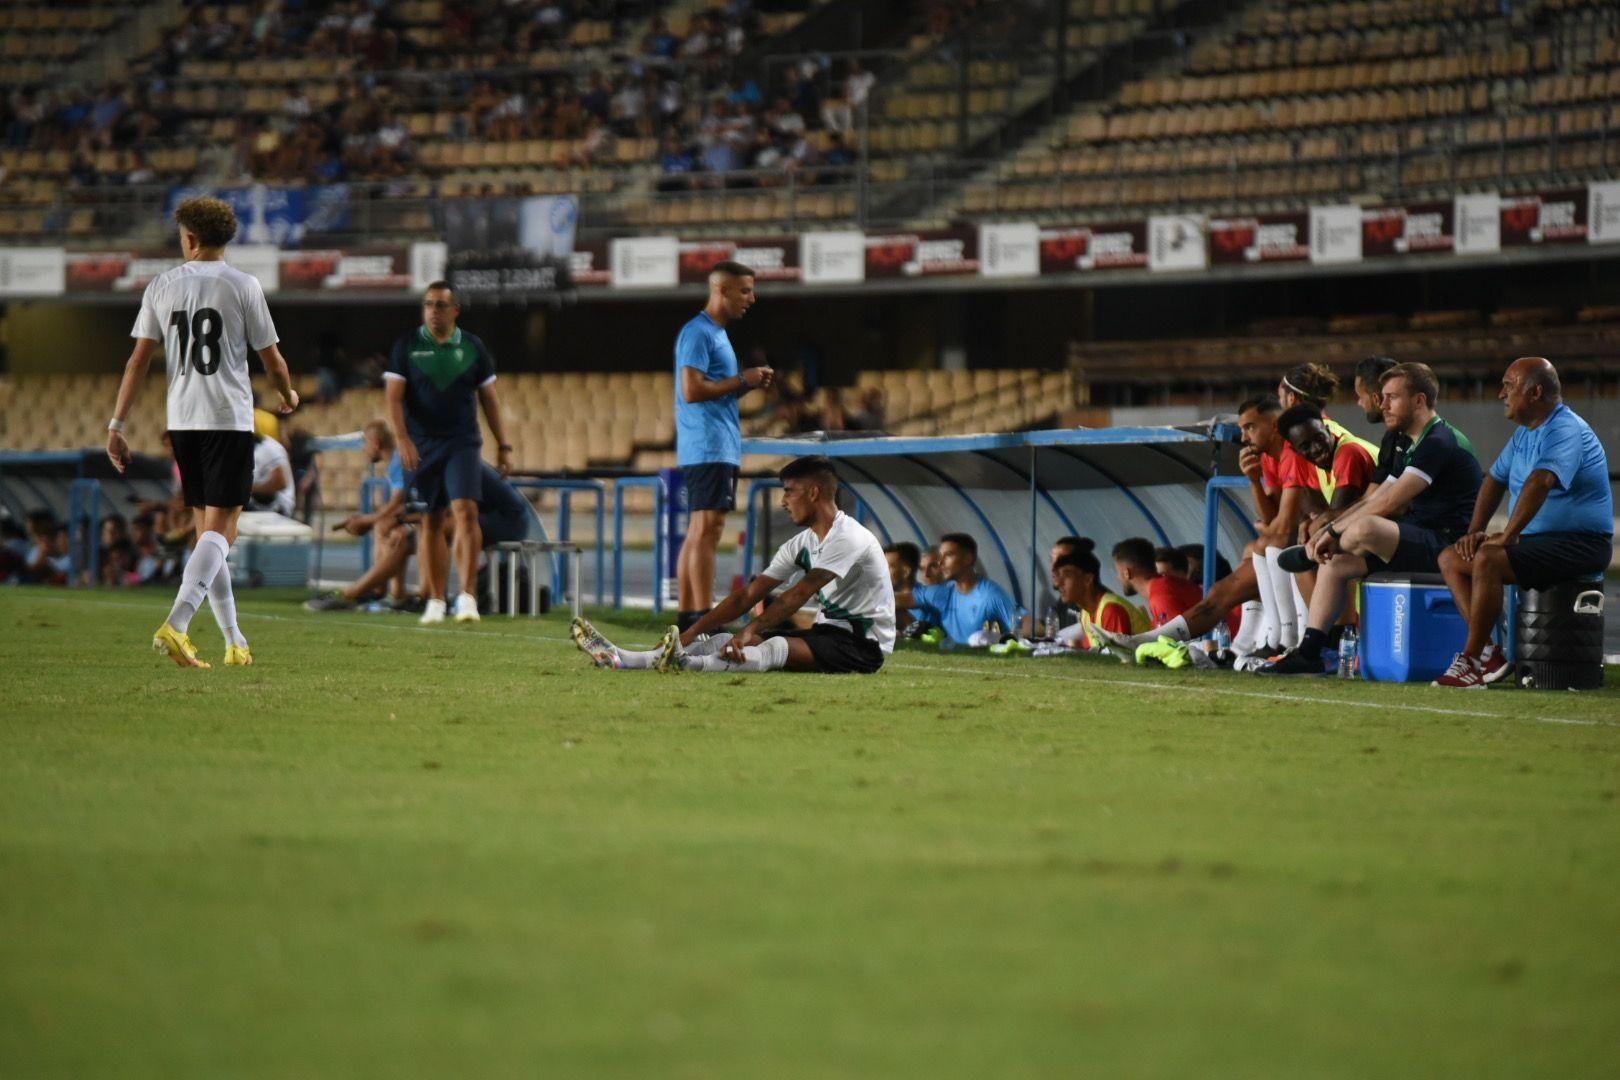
(449, 470)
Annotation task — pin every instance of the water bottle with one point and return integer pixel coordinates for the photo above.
(1050, 630)
(1348, 653)
(1223, 637)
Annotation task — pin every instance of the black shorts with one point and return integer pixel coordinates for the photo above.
(711, 486)
(1545, 559)
(450, 469)
(837, 651)
(216, 467)
(1417, 553)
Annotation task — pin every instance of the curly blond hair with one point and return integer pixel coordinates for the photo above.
(211, 220)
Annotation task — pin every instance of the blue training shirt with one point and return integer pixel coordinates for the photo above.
(962, 614)
(1566, 446)
(395, 474)
(706, 431)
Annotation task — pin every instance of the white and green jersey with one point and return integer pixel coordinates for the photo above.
(859, 598)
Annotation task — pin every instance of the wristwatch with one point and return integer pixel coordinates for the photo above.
(1331, 531)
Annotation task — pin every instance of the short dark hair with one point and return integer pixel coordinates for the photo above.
(446, 286)
(732, 268)
(1083, 561)
(1267, 404)
(1173, 557)
(1298, 414)
(1420, 379)
(1370, 369)
(906, 552)
(1077, 543)
(211, 220)
(816, 469)
(1135, 551)
(963, 542)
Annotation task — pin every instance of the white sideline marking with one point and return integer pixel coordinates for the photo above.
(1178, 688)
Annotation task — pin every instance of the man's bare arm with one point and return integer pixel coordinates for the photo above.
(732, 607)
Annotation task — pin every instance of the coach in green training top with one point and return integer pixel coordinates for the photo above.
(708, 439)
(433, 377)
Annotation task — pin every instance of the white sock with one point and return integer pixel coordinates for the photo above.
(1249, 626)
(637, 659)
(1268, 635)
(222, 600)
(769, 655)
(1282, 586)
(1175, 630)
(206, 561)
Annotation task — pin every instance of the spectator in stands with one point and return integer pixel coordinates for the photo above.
(966, 602)
(1560, 516)
(118, 564)
(1078, 578)
(869, 415)
(114, 530)
(150, 564)
(1171, 562)
(708, 435)
(677, 163)
(1167, 597)
(1404, 525)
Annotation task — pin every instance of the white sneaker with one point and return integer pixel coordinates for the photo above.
(433, 613)
(466, 608)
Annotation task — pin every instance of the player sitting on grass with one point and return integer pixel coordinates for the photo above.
(844, 569)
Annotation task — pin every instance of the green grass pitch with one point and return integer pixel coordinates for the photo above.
(393, 852)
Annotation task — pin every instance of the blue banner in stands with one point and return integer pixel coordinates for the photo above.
(278, 215)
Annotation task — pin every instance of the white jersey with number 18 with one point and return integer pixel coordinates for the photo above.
(208, 315)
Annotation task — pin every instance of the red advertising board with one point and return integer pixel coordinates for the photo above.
(922, 254)
(1556, 217)
(1261, 239)
(1097, 247)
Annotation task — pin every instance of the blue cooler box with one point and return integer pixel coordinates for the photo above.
(1410, 628)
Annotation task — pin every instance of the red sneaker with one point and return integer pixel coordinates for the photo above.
(1465, 673)
(1494, 664)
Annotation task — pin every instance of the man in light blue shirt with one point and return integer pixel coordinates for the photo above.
(708, 439)
(1560, 516)
(965, 601)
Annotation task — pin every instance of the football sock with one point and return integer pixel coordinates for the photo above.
(1311, 644)
(1302, 606)
(1282, 587)
(708, 646)
(222, 600)
(769, 655)
(687, 618)
(1175, 629)
(1267, 636)
(636, 659)
(1250, 622)
(206, 561)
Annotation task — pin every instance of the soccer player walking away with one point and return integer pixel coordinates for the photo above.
(842, 566)
(708, 438)
(208, 315)
(437, 378)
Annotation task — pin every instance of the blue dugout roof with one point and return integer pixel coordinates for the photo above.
(1016, 492)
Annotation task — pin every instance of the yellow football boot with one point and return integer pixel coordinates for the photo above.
(238, 656)
(177, 647)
